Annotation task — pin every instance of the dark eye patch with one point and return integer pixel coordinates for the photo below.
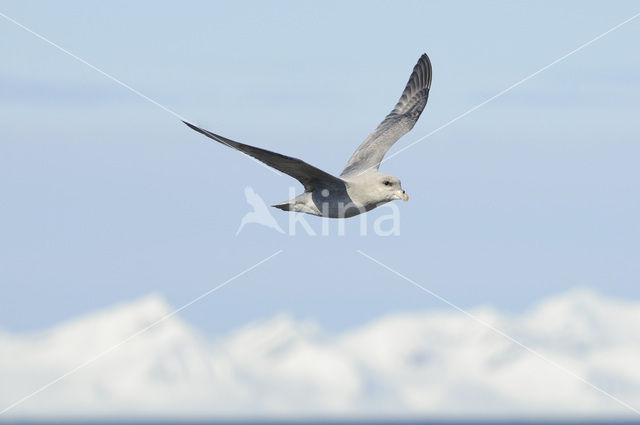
(387, 183)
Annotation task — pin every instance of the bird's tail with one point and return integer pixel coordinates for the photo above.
(284, 206)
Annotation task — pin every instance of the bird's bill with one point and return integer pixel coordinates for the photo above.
(402, 195)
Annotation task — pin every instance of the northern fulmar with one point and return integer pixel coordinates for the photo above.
(360, 187)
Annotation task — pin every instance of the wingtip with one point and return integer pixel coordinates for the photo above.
(427, 64)
(193, 127)
(426, 59)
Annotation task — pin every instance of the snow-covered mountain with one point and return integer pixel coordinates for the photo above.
(431, 364)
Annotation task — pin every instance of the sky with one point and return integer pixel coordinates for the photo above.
(107, 197)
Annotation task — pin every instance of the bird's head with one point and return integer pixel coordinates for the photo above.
(390, 187)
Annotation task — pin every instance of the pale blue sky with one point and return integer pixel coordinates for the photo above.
(107, 197)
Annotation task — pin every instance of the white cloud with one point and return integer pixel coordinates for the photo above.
(431, 364)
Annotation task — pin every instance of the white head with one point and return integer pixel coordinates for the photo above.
(390, 188)
(376, 188)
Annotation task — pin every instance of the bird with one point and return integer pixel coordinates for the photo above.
(360, 187)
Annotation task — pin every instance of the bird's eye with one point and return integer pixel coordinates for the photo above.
(387, 183)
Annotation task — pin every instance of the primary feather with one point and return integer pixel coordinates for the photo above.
(395, 125)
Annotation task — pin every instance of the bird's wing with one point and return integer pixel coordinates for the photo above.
(308, 175)
(395, 125)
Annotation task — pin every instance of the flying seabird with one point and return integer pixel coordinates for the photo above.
(360, 187)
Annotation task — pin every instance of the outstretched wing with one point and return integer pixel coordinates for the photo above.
(401, 119)
(306, 174)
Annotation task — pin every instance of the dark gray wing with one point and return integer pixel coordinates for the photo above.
(401, 119)
(306, 174)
